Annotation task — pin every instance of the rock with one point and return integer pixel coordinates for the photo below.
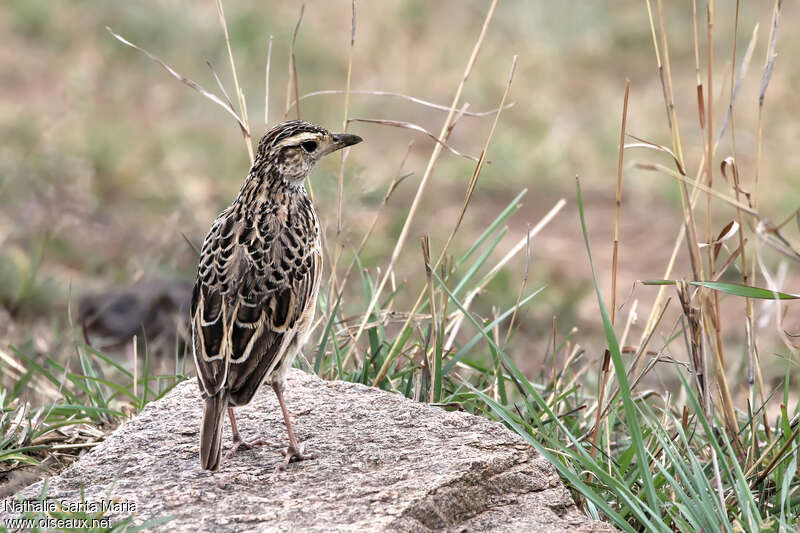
(384, 463)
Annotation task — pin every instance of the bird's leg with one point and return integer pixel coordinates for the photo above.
(294, 452)
(237, 440)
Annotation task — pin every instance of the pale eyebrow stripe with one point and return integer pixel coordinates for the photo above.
(299, 138)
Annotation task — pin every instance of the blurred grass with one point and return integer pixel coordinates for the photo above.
(110, 159)
(105, 161)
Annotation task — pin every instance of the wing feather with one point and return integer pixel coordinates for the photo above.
(253, 297)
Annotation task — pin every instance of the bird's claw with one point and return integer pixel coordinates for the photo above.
(294, 455)
(241, 444)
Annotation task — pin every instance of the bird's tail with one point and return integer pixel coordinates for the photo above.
(211, 430)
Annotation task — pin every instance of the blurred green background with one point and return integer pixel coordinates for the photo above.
(105, 160)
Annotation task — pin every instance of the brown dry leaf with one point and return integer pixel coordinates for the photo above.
(730, 229)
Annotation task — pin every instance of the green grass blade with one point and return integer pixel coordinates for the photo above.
(736, 289)
(105, 359)
(510, 209)
(785, 492)
(622, 378)
(576, 450)
(479, 262)
(451, 362)
(67, 409)
(88, 370)
(325, 336)
(110, 384)
(574, 480)
(437, 364)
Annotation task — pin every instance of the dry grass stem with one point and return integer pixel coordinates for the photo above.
(701, 106)
(345, 122)
(183, 79)
(456, 324)
(340, 181)
(426, 175)
(669, 172)
(669, 98)
(266, 82)
(643, 143)
(219, 84)
(709, 130)
(521, 291)
(292, 81)
(395, 182)
(429, 353)
(408, 98)
(681, 233)
(477, 171)
(470, 190)
(135, 353)
(239, 93)
(739, 79)
(618, 206)
(414, 127)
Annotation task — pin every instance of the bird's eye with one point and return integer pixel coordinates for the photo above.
(309, 146)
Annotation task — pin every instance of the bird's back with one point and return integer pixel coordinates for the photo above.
(254, 297)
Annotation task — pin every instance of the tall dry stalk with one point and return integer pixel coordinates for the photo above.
(437, 149)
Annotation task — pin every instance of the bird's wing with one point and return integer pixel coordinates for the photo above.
(263, 281)
(209, 309)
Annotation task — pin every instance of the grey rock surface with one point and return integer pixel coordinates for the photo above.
(384, 463)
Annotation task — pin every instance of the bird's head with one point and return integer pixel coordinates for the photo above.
(293, 148)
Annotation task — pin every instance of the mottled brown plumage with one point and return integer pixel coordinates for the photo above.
(256, 289)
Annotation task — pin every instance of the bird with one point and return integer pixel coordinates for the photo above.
(259, 272)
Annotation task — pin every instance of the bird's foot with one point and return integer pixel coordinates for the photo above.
(294, 455)
(241, 444)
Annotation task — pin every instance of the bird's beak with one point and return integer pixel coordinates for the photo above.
(342, 140)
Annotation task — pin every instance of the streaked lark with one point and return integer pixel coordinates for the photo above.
(256, 289)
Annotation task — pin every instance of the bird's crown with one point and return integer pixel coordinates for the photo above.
(292, 148)
(292, 132)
